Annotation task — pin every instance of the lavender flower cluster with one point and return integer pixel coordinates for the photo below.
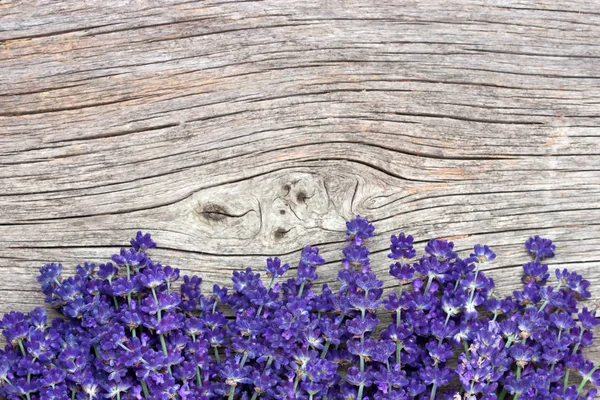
(131, 331)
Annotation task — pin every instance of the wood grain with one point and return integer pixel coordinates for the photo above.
(237, 130)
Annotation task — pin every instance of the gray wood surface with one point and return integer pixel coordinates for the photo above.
(237, 130)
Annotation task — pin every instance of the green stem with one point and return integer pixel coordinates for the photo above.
(433, 391)
(325, 349)
(502, 394)
(566, 381)
(217, 356)
(516, 395)
(362, 364)
(457, 282)
(22, 347)
(154, 295)
(254, 396)
(586, 378)
(198, 377)
(269, 362)
(466, 348)
(428, 284)
(509, 342)
(440, 340)
(261, 306)
(145, 389)
(159, 314)
(128, 278)
(551, 371)
(360, 391)
(244, 357)
(231, 393)
(259, 310)
(398, 350)
(577, 344)
(163, 344)
(72, 394)
(399, 310)
(301, 289)
(474, 281)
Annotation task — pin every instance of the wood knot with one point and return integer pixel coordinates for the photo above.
(212, 212)
(301, 196)
(280, 233)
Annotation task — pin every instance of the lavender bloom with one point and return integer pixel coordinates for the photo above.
(50, 275)
(356, 256)
(359, 229)
(274, 267)
(482, 254)
(131, 258)
(309, 259)
(142, 241)
(402, 272)
(540, 248)
(535, 271)
(441, 249)
(130, 332)
(402, 247)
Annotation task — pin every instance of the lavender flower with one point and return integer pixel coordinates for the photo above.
(130, 331)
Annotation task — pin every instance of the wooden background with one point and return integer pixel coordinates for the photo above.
(237, 130)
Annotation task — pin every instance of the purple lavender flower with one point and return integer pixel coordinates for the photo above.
(129, 332)
(402, 247)
(573, 281)
(540, 248)
(274, 267)
(358, 229)
(50, 274)
(356, 257)
(131, 258)
(482, 253)
(441, 249)
(142, 241)
(402, 272)
(107, 271)
(535, 271)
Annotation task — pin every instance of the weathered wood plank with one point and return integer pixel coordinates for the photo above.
(239, 130)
